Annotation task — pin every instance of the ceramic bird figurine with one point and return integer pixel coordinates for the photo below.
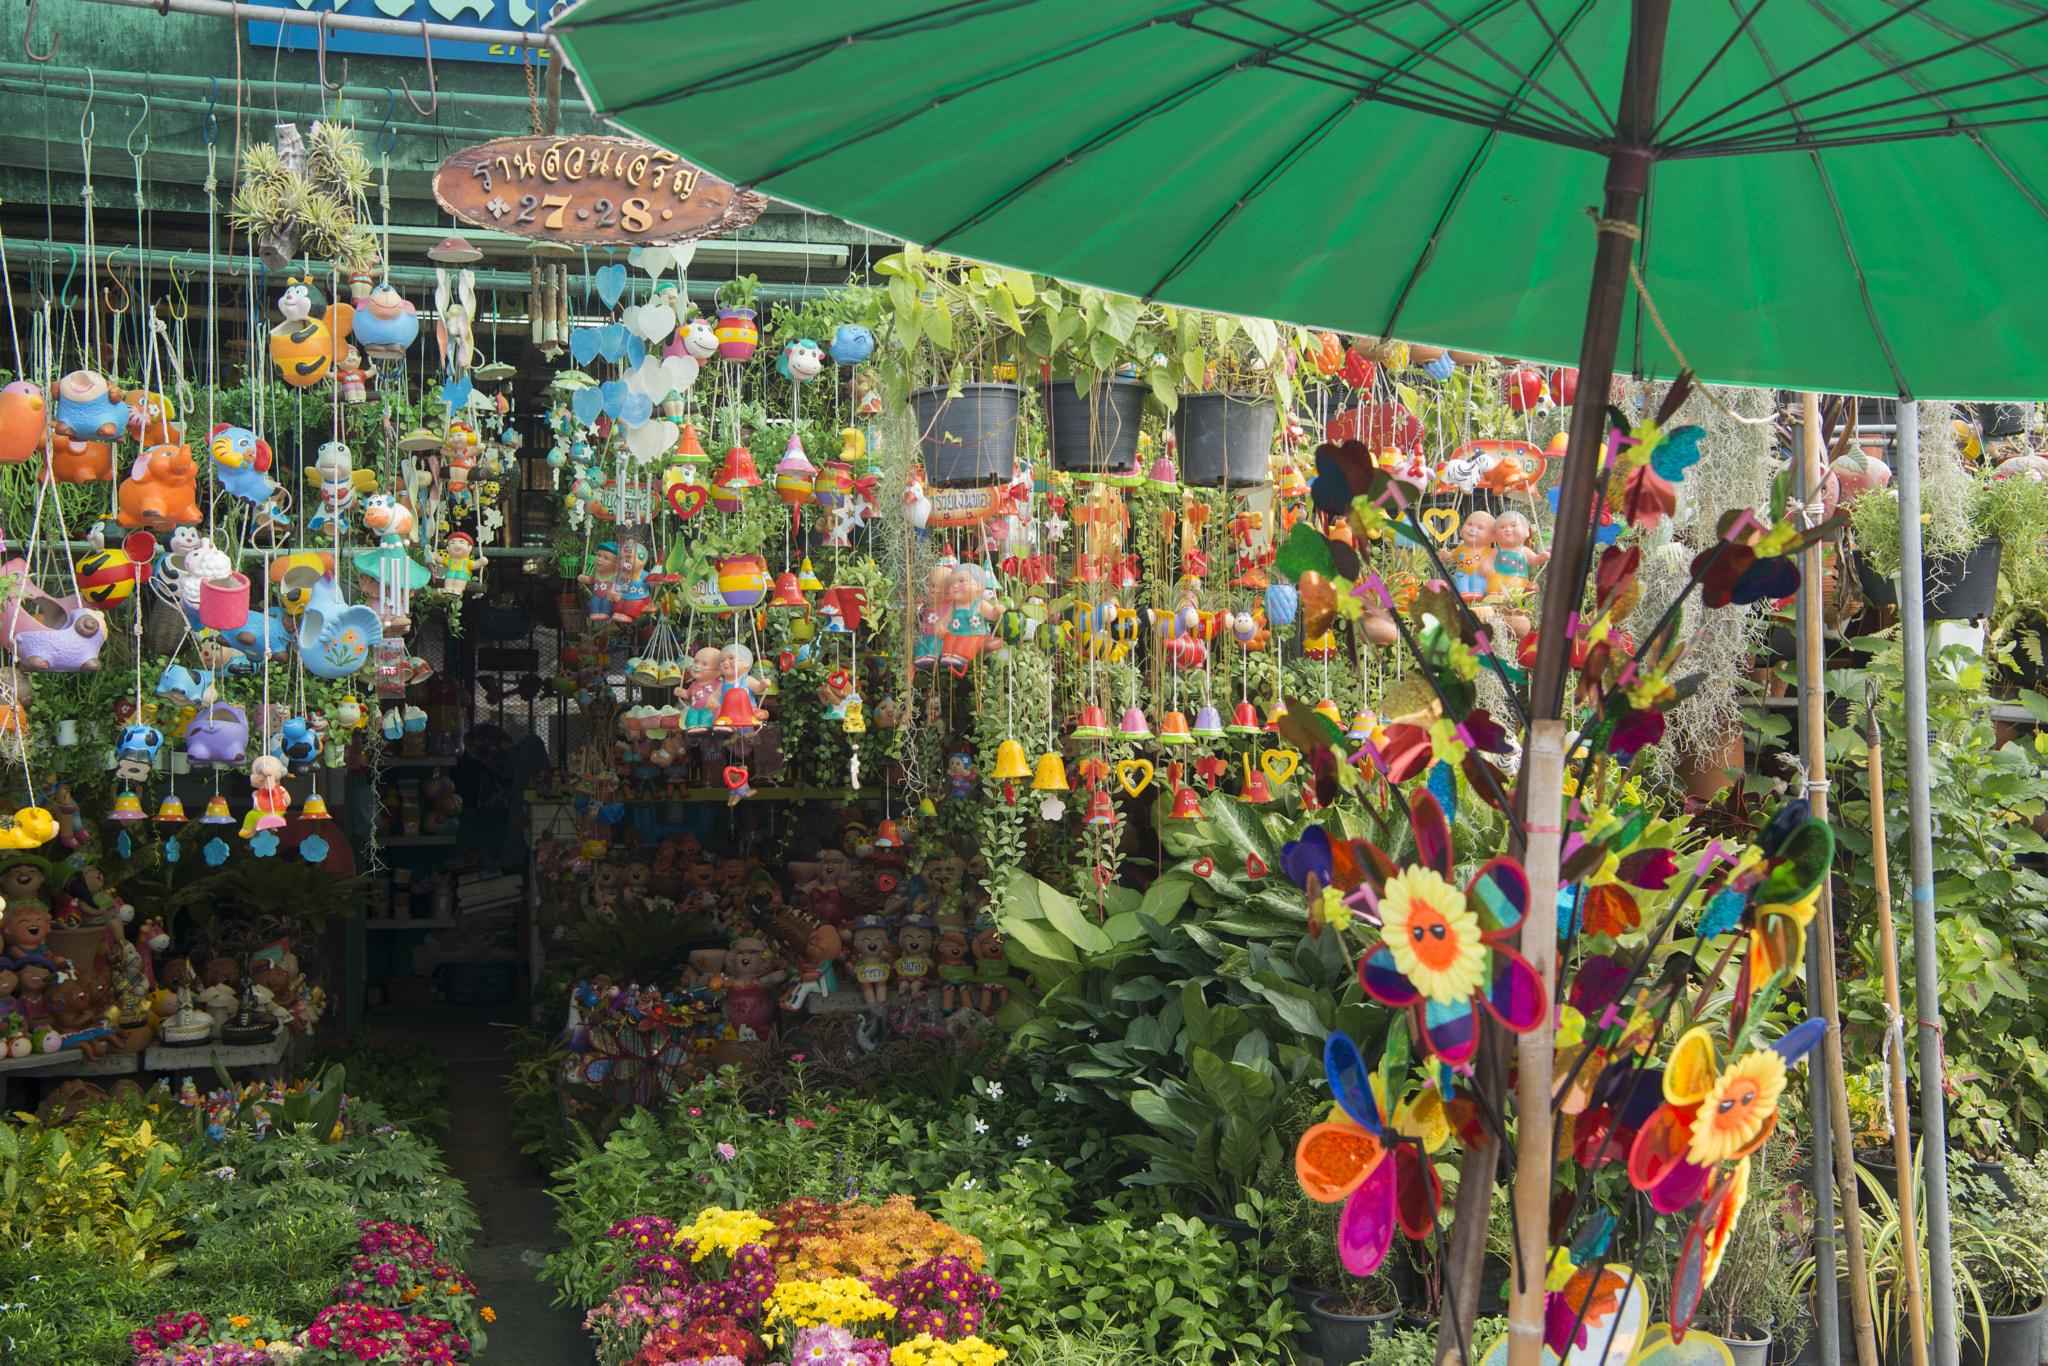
(386, 324)
(24, 419)
(88, 409)
(241, 462)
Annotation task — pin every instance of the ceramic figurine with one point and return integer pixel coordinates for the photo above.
(267, 794)
(960, 773)
(1513, 555)
(819, 975)
(153, 420)
(701, 691)
(954, 970)
(852, 344)
(334, 466)
(306, 345)
(455, 301)
(353, 377)
(459, 562)
(241, 463)
(700, 340)
(161, 490)
(801, 360)
(73, 647)
(749, 1006)
(973, 609)
(386, 324)
(73, 461)
(24, 422)
(735, 664)
(1475, 552)
(135, 752)
(914, 966)
(871, 959)
(990, 970)
(89, 409)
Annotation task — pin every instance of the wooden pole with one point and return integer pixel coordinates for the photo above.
(1813, 745)
(1895, 1035)
(1544, 773)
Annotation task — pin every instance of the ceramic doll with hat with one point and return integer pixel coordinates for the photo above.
(914, 966)
(956, 970)
(870, 944)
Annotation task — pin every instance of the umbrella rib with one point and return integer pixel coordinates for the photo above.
(786, 63)
(1457, 197)
(1358, 19)
(1947, 29)
(1695, 153)
(1712, 62)
(1355, 19)
(1485, 116)
(1258, 187)
(1777, 81)
(1527, 78)
(1557, 42)
(1798, 135)
(1827, 186)
(1893, 69)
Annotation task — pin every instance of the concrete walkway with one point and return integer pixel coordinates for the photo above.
(509, 1192)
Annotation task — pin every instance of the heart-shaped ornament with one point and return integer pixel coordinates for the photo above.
(1441, 524)
(1204, 866)
(1254, 866)
(611, 341)
(636, 350)
(636, 408)
(611, 283)
(588, 405)
(650, 377)
(687, 500)
(583, 345)
(1134, 775)
(681, 369)
(651, 440)
(612, 394)
(653, 260)
(1102, 876)
(1279, 764)
(735, 777)
(655, 322)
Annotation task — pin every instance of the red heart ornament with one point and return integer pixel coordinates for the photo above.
(1102, 877)
(735, 777)
(687, 500)
(1204, 866)
(886, 882)
(1254, 866)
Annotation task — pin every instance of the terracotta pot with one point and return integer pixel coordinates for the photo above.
(1701, 774)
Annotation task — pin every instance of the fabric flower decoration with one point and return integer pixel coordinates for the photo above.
(1458, 947)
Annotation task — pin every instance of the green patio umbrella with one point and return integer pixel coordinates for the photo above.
(1840, 195)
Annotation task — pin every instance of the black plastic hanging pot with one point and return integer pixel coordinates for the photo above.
(969, 441)
(2012, 1339)
(1955, 587)
(1346, 1338)
(1095, 432)
(1225, 440)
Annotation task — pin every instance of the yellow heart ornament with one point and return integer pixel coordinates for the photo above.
(1134, 775)
(1441, 523)
(1279, 764)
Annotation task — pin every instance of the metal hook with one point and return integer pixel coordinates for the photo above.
(209, 128)
(64, 294)
(86, 122)
(55, 42)
(178, 288)
(127, 299)
(139, 123)
(385, 129)
(427, 40)
(320, 29)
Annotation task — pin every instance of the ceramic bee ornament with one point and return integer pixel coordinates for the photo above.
(301, 347)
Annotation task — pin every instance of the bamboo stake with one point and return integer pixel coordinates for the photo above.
(1895, 1034)
(1813, 708)
(1545, 776)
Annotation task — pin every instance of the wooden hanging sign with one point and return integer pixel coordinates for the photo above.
(590, 192)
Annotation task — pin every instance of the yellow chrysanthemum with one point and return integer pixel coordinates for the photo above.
(723, 1230)
(1740, 1103)
(1433, 937)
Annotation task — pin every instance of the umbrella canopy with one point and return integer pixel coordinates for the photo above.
(1847, 195)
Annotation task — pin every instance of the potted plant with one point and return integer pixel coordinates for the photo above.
(1224, 433)
(738, 333)
(1102, 357)
(1340, 1312)
(1972, 524)
(1751, 1300)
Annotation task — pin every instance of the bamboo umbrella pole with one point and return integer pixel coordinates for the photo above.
(1830, 1083)
(1894, 1028)
(1545, 776)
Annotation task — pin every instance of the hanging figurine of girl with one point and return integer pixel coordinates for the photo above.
(699, 693)
(1514, 557)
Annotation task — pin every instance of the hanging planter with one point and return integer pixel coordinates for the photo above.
(1096, 432)
(1225, 440)
(1955, 587)
(969, 441)
(743, 580)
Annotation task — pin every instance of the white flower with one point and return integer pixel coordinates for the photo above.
(981, 1126)
(968, 1184)
(995, 1090)
(1023, 1140)
(224, 1173)
(1059, 1093)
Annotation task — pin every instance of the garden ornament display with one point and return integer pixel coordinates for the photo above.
(313, 336)
(241, 463)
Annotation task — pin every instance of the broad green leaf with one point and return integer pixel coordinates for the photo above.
(1006, 309)
(1063, 913)
(1120, 314)
(1265, 339)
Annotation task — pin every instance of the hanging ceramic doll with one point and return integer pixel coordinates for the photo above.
(973, 610)
(1475, 550)
(931, 615)
(700, 693)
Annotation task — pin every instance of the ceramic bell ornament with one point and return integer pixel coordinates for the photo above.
(1208, 722)
(171, 811)
(1255, 786)
(1050, 775)
(217, 812)
(1187, 806)
(1173, 730)
(1100, 810)
(127, 807)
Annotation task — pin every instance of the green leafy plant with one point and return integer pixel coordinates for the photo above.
(407, 1081)
(1759, 1267)
(636, 943)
